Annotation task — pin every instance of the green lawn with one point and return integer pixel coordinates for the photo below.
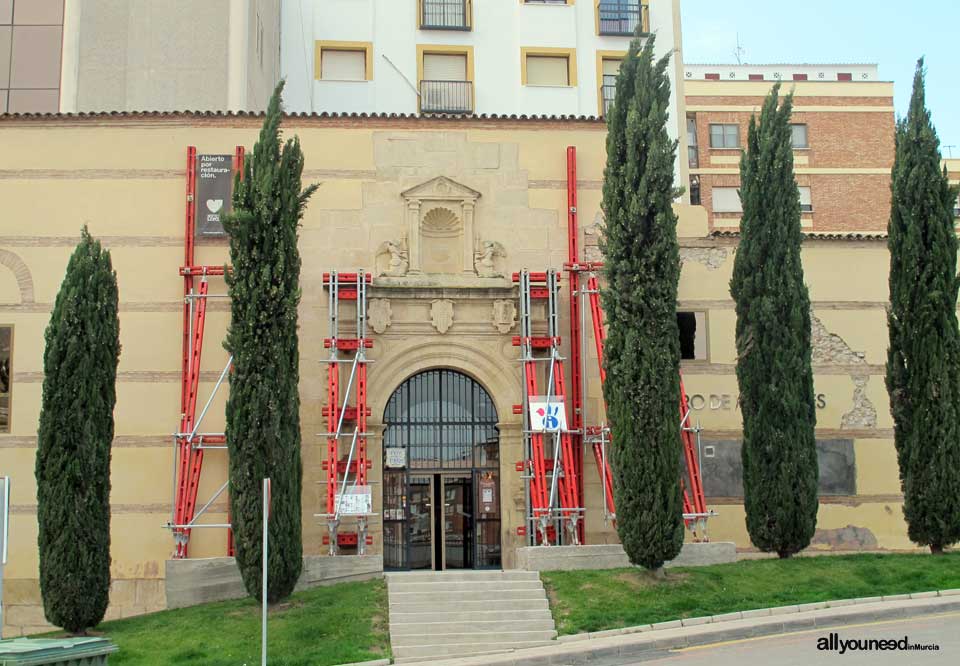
(326, 625)
(611, 599)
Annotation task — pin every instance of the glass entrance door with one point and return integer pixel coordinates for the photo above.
(457, 522)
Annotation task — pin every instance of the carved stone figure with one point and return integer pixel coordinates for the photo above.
(392, 258)
(441, 315)
(379, 314)
(504, 315)
(486, 261)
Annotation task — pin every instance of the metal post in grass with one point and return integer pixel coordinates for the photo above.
(263, 592)
(4, 537)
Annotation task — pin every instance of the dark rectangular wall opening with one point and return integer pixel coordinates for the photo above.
(687, 323)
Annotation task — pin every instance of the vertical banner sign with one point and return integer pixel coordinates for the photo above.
(214, 193)
(548, 414)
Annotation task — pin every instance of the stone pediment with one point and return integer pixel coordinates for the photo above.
(440, 188)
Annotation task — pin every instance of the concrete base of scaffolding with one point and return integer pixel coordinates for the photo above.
(190, 582)
(611, 556)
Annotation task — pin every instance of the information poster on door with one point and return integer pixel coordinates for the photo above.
(214, 193)
(548, 414)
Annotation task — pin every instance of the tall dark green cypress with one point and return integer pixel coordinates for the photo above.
(779, 452)
(74, 438)
(642, 270)
(923, 360)
(263, 410)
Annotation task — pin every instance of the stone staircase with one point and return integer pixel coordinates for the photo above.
(436, 615)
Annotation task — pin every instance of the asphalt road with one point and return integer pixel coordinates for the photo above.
(801, 649)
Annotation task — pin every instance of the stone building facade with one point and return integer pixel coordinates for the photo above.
(441, 211)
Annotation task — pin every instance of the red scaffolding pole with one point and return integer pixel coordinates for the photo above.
(189, 443)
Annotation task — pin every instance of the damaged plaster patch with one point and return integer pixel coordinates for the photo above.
(829, 348)
(591, 239)
(863, 414)
(845, 538)
(711, 257)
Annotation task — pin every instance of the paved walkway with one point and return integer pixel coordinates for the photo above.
(801, 648)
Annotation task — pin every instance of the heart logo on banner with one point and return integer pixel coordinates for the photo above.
(214, 205)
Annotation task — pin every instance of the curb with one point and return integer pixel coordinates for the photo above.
(375, 662)
(663, 636)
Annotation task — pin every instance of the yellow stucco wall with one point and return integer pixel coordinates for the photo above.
(124, 178)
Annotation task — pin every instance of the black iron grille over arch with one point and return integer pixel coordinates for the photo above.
(444, 420)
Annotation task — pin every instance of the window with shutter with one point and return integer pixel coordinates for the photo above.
(548, 70)
(339, 65)
(444, 67)
(806, 200)
(726, 200)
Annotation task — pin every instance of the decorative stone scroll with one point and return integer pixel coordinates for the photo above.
(379, 314)
(504, 315)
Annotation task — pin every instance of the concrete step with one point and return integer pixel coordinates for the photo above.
(460, 649)
(408, 660)
(461, 586)
(497, 638)
(472, 616)
(465, 575)
(466, 605)
(492, 595)
(399, 628)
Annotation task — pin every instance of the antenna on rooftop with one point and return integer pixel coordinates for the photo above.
(739, 52)
(950, 151)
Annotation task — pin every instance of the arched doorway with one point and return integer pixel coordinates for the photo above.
(441, 478)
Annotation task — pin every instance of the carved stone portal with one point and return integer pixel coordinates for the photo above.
(379, 314)
(504, 315)
(441, 315)
(440, 227)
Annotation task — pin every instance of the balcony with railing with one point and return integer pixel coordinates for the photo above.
(444, 15)
(446, 96)
(621, 17)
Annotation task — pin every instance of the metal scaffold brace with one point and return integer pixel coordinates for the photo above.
(189, 443)
(347, 488)
(585, 295)
(551, 479)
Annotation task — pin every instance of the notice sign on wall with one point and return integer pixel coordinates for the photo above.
(355, 501)
(395, 456)
(214, 193)
(548, 414)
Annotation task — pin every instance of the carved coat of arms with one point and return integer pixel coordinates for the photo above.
(441, 315)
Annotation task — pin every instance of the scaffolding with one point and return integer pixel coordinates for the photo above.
(584, 292)
(550, 473)
(346, 481)
(189, 443)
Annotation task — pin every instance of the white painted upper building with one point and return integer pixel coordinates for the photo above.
(532, 57)
(781, 72)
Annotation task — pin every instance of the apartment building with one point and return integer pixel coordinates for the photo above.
(843, 136)
(531, 57)
(137, 55)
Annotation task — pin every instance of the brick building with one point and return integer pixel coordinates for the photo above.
(843, 139)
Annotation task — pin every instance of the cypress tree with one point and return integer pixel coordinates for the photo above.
(263, 410)
(779, 454)
(923, 360)
(74, 437)
(642, 271)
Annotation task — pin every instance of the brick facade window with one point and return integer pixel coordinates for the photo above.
(724, 136)
(798, 136)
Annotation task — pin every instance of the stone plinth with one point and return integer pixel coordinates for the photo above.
(568, 558)
(198, 581)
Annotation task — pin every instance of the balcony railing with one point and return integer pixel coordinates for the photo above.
(621, 17)
(446, 96)
(444, 15)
